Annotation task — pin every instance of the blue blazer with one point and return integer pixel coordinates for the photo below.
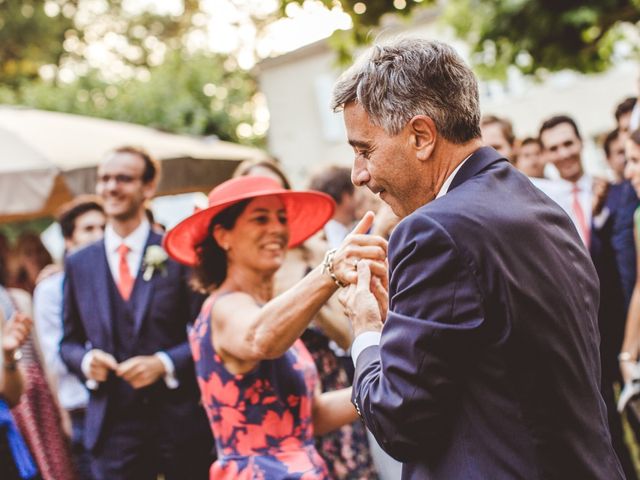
(488, 366)
(613, 253)
(164, 306)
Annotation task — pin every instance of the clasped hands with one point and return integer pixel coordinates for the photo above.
(361, 263)
(139, 372)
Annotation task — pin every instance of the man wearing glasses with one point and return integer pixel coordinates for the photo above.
(126, 307)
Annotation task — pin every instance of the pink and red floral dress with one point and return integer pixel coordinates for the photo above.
(261, 420)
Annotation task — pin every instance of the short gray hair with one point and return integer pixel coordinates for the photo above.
(409, 77)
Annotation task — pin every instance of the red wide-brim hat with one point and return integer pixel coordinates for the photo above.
(307, 212)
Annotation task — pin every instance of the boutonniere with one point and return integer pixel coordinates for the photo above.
(155, 258)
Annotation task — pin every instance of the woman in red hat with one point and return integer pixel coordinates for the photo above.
(258, 382)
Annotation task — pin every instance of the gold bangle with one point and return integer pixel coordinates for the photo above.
(327, 267)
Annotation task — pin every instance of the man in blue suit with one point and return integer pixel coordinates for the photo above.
(126, 309)
(487, 365)
(603, 214)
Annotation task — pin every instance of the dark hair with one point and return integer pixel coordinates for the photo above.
(244, 169)
(635, 137)
(530, 141)
(505, 127)
(624, 107)
(334, 181)
(558, 120)
(151, 165)
(70, 211)
(609, 139)
(211, 269)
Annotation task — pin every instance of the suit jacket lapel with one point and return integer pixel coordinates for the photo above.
(100, 268)
(478, 161)
(143, 289)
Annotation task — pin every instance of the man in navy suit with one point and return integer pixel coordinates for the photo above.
(603, 216)
(487, 365)
(126, 309)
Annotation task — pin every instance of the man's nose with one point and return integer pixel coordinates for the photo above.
(359, 174)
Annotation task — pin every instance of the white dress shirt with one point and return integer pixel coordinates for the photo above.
(561, 191)
(367, 339)
(335, 233)
(47, 317)
(136, 241)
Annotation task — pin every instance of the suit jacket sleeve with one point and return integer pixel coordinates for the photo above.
(407, 388)
(622, 241)
(180, 354)
(73, 345)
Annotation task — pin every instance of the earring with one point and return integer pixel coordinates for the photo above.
(225, 247)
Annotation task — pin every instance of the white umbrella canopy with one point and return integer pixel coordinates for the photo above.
(48, 157)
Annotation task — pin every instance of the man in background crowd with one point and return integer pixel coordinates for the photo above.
(335, 181)
(623, 114)
(82, 221)
(529, 159)
(498, 133)
(597, 218)
(614, 152)
(126, 310)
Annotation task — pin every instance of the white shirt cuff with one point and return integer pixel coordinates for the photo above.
(90, 383)
(170, 377)
(362, 341)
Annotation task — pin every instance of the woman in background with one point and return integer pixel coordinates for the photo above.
(258, 381)
(346, 450)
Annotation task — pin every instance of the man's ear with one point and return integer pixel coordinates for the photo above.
(149, 189)
(423, 136)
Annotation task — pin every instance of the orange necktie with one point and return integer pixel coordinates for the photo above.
(580, 216)
(125, 282)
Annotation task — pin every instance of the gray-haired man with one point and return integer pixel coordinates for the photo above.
(487, 365)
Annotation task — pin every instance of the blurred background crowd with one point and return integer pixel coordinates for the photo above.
(221, 89)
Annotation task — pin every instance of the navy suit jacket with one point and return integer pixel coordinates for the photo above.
(613, 253)
(164, 306)
(488, 365)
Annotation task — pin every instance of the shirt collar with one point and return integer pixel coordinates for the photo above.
(136, 240)
(584, 183)
(447, 183)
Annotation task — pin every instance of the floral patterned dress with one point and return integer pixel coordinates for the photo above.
(261, 420)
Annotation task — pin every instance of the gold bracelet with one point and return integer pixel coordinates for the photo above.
(327, 267)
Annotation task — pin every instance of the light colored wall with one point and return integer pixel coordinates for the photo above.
(304, 134)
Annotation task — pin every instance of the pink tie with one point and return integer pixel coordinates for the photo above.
(580, 216)
(125, 282)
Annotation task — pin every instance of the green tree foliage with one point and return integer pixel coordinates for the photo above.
(534, 35)
(542, 35)
(200, 95)
(143, 71)
(30, 38)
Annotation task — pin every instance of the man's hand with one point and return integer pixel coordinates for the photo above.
(100, 365)
(141, 371)
(357, 246)
(15, 333)
(366, 302)
(600, 190)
